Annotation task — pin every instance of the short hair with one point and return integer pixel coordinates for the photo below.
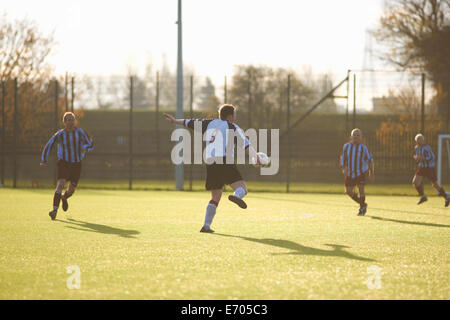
(67, 114)
(419, 135)
(356, 129)
(225, 110)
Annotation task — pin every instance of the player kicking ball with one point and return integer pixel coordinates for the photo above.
(72, 145)
(424, 157)
(356, 162)
(218, 172)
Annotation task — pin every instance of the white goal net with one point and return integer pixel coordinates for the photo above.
(443, 161)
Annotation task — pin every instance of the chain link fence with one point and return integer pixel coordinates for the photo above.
(132, 138)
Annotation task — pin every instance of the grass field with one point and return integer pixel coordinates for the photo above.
(146, 245)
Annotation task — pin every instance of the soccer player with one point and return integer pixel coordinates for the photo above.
(426, 169)
(72, 145)
(219, 173)
(356, 162)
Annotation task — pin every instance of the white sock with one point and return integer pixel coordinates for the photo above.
(239, 192)
(210, 213)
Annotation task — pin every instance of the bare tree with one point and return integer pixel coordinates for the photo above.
(261, 92)
(23, 53)
(208, 100)
(23, 50)
(417, 33)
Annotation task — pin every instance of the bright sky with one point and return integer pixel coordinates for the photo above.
(104, 37)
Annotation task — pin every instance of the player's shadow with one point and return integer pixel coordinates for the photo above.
(99, 228)
(409, 212)
(298, 249)
(427, 224)
(350, 205)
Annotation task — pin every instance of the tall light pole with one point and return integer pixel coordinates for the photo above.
(179, 170)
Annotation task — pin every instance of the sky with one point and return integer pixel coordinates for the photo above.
(110, 37)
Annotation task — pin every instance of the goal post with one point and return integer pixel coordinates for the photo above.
(443, 159)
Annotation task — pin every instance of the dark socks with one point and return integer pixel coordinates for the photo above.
(56, 200)
(420, 190)
(359, 200)
(67, 195)
(356, 198)
(362, 200)
(442, 193)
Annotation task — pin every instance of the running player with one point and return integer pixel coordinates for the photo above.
(218, 171)
(72, 143)
(356, 162)
(424, 157)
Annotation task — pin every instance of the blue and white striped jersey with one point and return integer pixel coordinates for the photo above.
(69, 145)
(356, 158)
(425, 152)
(216, 136)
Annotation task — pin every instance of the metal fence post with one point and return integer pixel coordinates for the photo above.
(72, 87)
(3, 134)
(66, 92)
(55, 118)
(191, 116)
(249, 100)
(348, 95)
(225, 90)
(354, 101)
(130, 150)
(288, 167)
(15, 135)
(157, 117)
(423, 105)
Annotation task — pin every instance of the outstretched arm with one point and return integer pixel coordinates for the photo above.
(172, 119)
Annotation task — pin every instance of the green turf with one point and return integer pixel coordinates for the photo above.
(146, 245)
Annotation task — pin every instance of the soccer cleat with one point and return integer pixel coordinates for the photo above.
(206, 230)
(363, 210)
(422, 199)
(241, 203)
(65, 204)
(447, 202)
(52, 214)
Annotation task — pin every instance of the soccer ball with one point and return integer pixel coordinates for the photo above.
(263, 158)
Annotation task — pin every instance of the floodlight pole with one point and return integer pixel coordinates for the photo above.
(179, 169)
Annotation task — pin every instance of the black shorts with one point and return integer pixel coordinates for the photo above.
(69, 171)
(218, 175)
(359, 180)
(429, 173)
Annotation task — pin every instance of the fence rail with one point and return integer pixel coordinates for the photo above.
(30, 115)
